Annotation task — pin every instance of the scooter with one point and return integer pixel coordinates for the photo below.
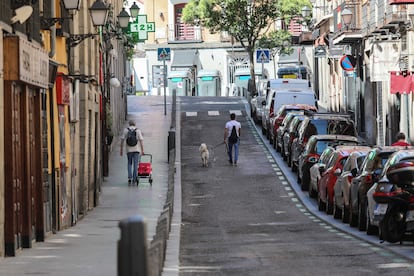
(395, 202)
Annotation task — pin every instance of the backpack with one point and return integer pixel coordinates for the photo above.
(233, 136)
(132, 139)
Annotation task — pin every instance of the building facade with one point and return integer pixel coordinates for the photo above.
(58, 111)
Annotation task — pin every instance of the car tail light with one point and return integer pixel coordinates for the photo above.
(349, 178)
(368, 179)
(312, 158)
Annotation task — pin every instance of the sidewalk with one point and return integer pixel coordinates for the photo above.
(90, 247)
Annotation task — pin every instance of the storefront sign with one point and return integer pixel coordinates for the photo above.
(25, 61)
(63, 85)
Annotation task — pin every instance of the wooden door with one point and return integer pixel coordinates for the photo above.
(13, 167)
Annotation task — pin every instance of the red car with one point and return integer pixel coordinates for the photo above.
(330, 174)
(276, 120)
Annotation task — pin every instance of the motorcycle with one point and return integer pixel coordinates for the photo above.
(394, 196)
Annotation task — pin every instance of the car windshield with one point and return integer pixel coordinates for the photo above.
(374, 161)
(329, 126)
(321, 145)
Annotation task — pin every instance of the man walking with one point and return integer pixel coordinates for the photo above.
(232, 138)
(134, 142)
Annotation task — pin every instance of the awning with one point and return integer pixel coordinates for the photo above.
(185, 58)
(401, 82)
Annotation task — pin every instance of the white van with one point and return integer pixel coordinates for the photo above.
(280, 85)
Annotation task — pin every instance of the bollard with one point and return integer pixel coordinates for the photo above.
(132, 247)
(171, 141)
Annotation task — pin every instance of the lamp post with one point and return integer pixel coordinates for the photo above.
(346, 17)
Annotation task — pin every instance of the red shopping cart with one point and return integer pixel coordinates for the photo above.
(145, 168)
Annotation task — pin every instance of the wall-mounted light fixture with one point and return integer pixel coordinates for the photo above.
(123, 18)
(70, 5)
(346, 15)
(134, 10)
(99, 12)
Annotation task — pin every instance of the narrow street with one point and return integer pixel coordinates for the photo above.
(248, 220)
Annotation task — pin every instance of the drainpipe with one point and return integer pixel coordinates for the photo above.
(55, 222)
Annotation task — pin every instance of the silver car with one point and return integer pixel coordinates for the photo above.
(343, 183)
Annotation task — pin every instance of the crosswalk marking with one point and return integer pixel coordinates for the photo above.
(237, 112)
(213, 113)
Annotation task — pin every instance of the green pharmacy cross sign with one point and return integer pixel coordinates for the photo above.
(142, 27)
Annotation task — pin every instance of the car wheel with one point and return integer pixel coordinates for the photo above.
(289, 159)
(278, 149)
(263, 131)
(329, 205)
(321, 204)
(362, 219)
(299, 180)
(312, 192)
(353, 220)
(304, 181)
(345, 214)
(293, 165)
(337, 212)
(371, 229)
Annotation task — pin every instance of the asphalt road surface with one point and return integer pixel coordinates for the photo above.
(248, 220)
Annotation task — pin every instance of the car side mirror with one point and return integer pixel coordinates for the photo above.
(338, 172)
(263, 102)
(322, 168)
(354, 172)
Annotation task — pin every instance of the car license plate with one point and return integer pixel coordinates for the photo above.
(380, 209)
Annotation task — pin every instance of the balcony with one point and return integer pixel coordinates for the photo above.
(184, 33)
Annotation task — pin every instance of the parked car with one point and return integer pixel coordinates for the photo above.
(315, 171)
(283, 128)
(281, 114)
(289, 136)
(373, 210)
(343, 183)
(256, 101)
(320, 123)
(330, 174)
(313, 149)
(279, 85)
(366, 177)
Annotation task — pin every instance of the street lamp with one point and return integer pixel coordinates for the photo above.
(123, 18)
(306, 12)
(134, 9)
(99, 13)
(71, 4)
(346, 17)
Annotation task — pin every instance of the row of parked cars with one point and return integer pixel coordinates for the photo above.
(332, 164)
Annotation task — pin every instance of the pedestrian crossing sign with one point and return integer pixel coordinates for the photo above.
(262, 56)
(164, 54)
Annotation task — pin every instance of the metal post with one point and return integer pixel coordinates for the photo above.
(165, 86)
(132, 247)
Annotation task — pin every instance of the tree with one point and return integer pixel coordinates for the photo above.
(278, 42)
(245, 20)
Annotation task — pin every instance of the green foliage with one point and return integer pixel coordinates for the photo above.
(279, 42)
(245, 20)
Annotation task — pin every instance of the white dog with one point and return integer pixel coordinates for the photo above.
(205, 154)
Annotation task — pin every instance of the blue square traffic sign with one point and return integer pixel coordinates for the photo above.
(262, 56)
(164, 54)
